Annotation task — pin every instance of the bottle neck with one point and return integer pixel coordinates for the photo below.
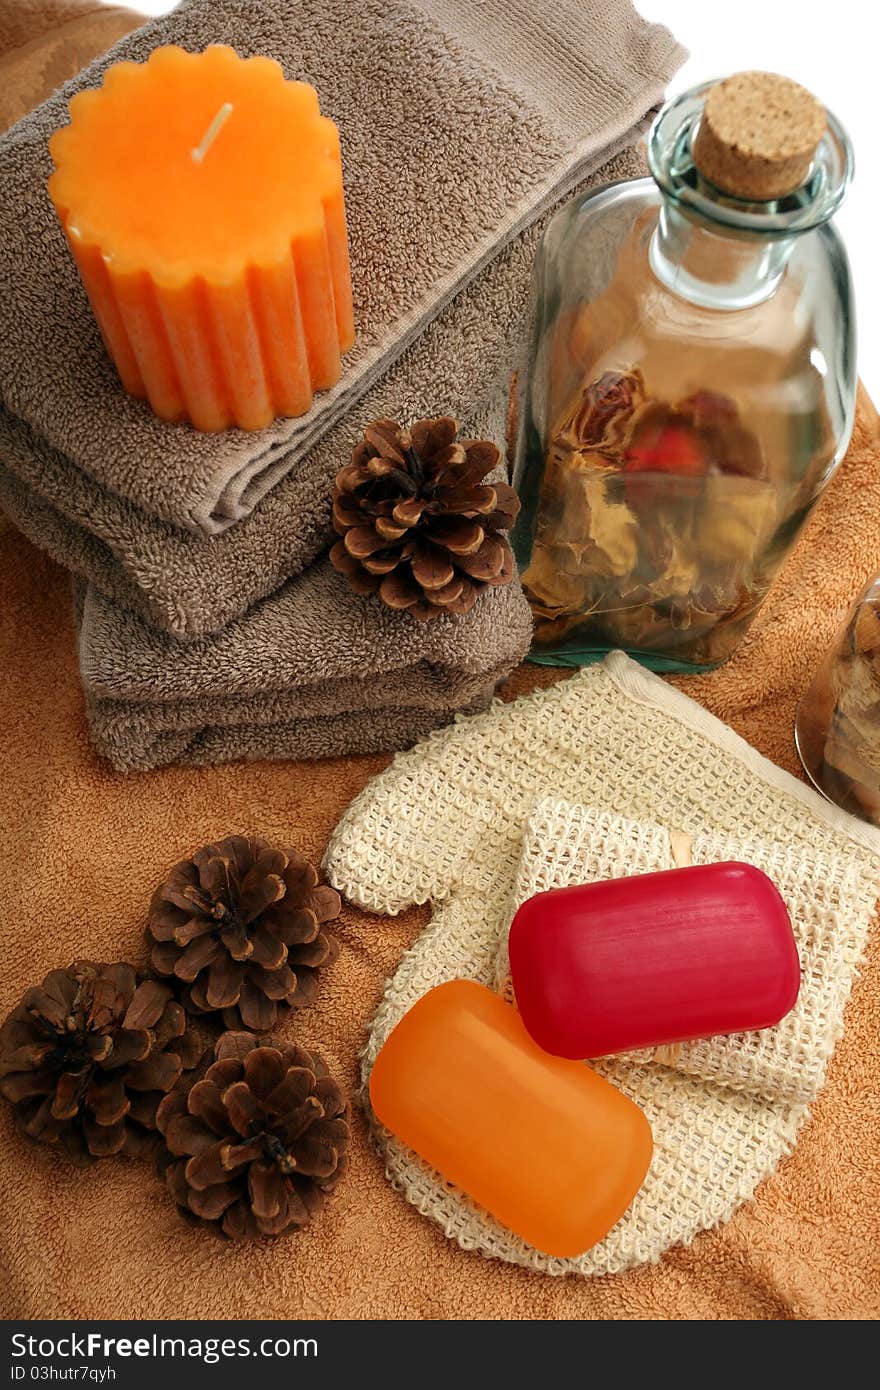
(714, 249)
(715, 267)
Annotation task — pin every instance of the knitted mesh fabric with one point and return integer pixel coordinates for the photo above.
(445, 824)
(565, 843)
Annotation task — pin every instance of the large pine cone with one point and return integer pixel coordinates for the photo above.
(87, 1056)
(418, 524)
(255, 1147)
(239, 925)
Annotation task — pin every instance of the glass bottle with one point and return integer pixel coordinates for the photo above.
(838, 720)
(689, 392)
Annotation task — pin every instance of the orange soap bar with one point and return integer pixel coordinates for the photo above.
(201, 196)
(551, 1149)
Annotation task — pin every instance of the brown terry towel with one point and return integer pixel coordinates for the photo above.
(45, 42)
(313, 672)
(84, 849)
(459, 129)
(191, 585)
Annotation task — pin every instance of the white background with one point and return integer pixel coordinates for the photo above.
(832, 48)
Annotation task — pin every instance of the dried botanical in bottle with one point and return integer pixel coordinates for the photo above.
(650, 514)
(690, 383)
(838, 720)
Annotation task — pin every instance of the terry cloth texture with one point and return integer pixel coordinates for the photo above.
(460, 123)
(313, 672)
(192, 585)
(44, 43)
(567, 843)
(86, 847)
(445, 825)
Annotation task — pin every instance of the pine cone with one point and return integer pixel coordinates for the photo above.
(87, 1056)
(256, 1146)
(417, 522)
(239, 925)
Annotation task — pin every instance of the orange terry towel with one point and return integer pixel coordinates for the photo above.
(83, 849)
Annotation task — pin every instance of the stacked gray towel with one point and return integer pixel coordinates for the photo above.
(305, 674)
(463, 125)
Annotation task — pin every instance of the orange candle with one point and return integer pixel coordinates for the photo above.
(550, 1148)
(201, 195)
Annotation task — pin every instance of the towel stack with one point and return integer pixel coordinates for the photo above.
(211, 626)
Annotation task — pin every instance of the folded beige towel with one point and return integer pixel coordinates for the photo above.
(460, 125)
(315, 671)
(191, 585)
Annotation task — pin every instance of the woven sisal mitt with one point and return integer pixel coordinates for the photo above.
(445, 823)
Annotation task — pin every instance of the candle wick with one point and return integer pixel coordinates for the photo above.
(212, 132)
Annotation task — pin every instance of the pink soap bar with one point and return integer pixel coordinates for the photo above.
(657, 958)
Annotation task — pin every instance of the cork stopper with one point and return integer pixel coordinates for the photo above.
(758, 135)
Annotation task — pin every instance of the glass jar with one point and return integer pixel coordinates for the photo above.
(838, 720)
(689, 392)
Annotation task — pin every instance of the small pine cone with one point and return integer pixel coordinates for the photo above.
(239, 925)
(255, 1147)
(87, 1056)
(418, 524)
